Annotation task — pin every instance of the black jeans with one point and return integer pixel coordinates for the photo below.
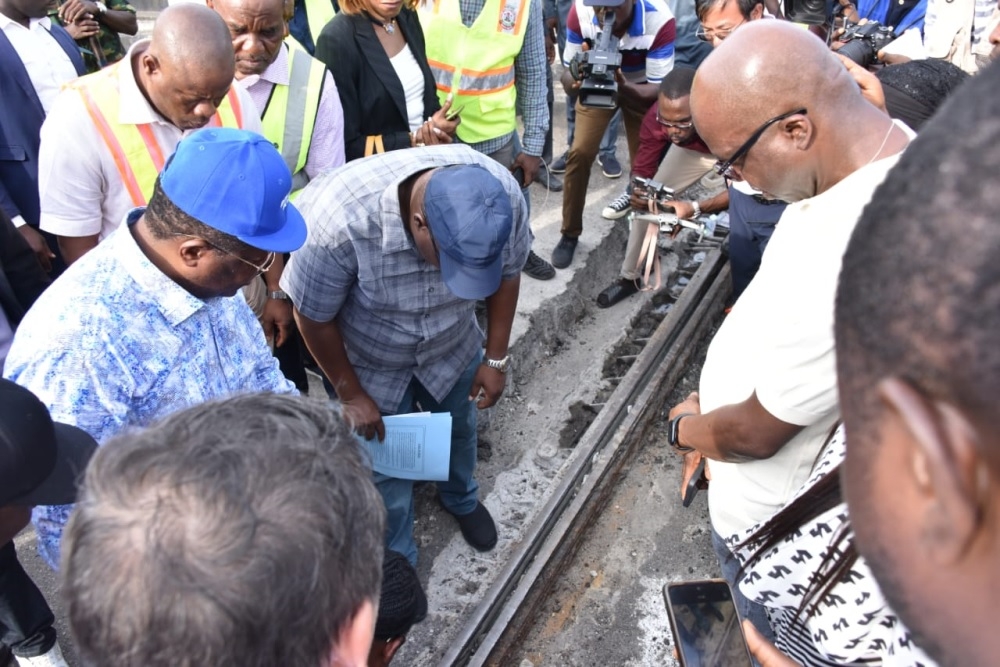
(25, 618)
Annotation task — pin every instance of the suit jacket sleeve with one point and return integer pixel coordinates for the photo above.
(22, 272)
(339, 51)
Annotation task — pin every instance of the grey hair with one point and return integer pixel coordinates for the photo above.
(243, 532)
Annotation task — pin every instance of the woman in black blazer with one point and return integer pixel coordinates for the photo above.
(357, 46)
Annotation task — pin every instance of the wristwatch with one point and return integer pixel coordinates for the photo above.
(673, 433)
(278, 294)
(498, 364)
(102, 8)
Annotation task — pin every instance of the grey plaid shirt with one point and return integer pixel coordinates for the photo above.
(360, 267)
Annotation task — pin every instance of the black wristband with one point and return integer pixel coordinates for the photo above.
(673, 433)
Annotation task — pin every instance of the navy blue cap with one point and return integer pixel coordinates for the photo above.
(40, 461)
(235, 181)
(469, 214)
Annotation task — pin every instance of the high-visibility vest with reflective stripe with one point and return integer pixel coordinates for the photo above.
(290, 115)
(318, 14)
(136, 153)
(477, 63)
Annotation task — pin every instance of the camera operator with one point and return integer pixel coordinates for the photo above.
(646, 30)
(667, 125)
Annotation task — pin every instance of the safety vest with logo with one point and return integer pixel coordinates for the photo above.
(476, 63)
(290, 115)
(136, 153)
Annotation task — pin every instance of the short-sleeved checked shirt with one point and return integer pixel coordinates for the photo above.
(360, 267)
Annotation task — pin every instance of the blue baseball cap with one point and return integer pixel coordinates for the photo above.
(469, 214)
(236, 182)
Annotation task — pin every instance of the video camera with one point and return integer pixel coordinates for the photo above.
(595, 69)
(864, 41)
(654, 190)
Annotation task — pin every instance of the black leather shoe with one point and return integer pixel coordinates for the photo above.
(478, 528)
(620, 289)
(548, 180)
(538, 268)
(562, 256)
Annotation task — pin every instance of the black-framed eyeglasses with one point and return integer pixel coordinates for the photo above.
(259, 268)
(720, 34)
(686, 125)
(725, 167)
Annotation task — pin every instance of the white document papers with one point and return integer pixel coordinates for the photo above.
(416, 446)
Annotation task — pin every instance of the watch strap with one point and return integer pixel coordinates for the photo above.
(278, 294)
(673, 433)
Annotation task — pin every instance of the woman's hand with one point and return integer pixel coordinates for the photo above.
(441, 119)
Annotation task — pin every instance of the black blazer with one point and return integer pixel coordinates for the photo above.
(22, 279)
(370, 92)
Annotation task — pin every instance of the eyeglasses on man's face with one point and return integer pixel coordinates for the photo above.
(717, 34)
(259, 268)
(685, 125)
(725, 167)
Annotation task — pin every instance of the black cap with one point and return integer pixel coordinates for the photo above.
(40, 461)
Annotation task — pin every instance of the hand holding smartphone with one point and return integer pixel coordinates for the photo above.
(706, 625)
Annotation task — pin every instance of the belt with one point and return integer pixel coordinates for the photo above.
(761, 199)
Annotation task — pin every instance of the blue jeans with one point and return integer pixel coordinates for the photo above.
(460, 493)
(750, 611)
(750, 227)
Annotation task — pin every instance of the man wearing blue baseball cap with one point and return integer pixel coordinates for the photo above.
(151, 321)
(401, 246)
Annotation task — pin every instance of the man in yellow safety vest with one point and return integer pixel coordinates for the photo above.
(109, 133)
(489, 55)
(301, 115)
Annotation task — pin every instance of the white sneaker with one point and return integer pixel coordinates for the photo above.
(54, 658)
(618, 208)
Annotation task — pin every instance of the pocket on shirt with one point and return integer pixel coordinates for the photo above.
(13, 153)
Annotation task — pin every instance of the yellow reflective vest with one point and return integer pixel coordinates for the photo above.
(476, 64)
(289, 118)
(136, 153)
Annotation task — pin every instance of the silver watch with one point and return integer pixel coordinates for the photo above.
(277, 294)
(101, 7)
(499, 364)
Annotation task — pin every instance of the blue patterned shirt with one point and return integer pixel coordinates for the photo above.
(114, 343)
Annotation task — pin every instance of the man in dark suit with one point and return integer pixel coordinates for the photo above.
(36, 58)
(26, 622)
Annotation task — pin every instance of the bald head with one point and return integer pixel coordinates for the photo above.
(188, 66)
(766, 69)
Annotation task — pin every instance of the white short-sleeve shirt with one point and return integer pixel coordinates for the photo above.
(79, 186)
(778, 341)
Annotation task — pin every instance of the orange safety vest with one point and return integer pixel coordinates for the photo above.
(136, 153)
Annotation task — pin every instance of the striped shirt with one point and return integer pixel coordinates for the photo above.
(647, 49)
(359, 266)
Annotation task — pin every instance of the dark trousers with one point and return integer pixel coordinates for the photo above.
(751, 224)
(25, 618)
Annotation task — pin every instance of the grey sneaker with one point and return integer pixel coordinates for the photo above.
(538, 268)
(558, 165)
(618, 208)
(562, 255)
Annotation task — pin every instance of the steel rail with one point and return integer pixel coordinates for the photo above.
(603, 451)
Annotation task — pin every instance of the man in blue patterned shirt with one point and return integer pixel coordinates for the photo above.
(151, 321)
(401, 246)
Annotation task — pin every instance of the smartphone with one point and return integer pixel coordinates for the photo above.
(696, 482)
(454, 112)
(706, 625)
(518, 175)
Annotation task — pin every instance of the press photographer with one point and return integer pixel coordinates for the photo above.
(644, 31)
